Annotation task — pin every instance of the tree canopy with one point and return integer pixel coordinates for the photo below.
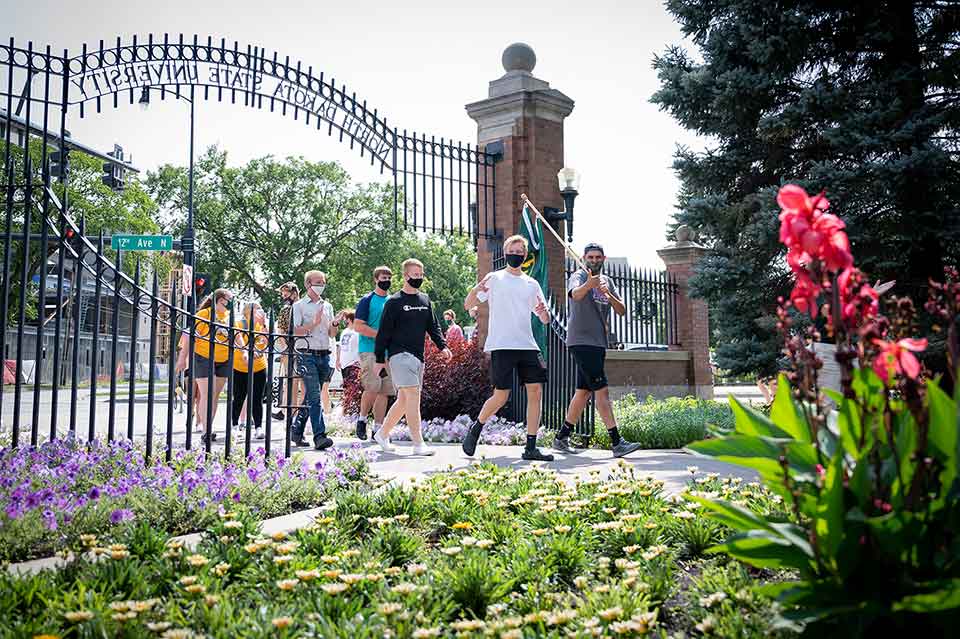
(857, 98)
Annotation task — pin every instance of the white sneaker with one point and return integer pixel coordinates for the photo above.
(258, 434)
(385, 445)
(423, 449)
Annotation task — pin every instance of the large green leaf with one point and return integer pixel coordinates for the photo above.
(749, 421)
(942, 436)
(764, 549)
(943, 595)
(829, 521)
(786, 414)
(850, 427)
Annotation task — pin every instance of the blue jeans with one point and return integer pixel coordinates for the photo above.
(314, 369)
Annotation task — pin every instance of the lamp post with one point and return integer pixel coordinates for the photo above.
(186, 243)
(569, 182)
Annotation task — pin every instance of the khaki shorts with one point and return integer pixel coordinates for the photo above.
(369, 378)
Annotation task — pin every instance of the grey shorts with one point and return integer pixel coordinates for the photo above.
(406, 371)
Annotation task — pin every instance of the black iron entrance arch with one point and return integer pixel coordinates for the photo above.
(440, 185)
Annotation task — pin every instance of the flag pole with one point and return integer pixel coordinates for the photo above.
(570, 251)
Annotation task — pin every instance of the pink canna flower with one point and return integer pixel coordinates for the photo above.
(897, 358)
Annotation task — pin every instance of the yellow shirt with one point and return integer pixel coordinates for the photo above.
(259, 344)
(221, 349)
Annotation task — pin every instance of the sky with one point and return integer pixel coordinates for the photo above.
(418, 63)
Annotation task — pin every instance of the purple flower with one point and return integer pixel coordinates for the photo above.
(93, 494)
(120, 514)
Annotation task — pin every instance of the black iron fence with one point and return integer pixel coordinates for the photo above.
(650, 297)
(77, 327)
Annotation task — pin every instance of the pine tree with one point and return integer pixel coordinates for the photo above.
(857, 98)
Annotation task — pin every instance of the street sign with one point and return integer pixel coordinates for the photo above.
(187, 281)
(141, 242)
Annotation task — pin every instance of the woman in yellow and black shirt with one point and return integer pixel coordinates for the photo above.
(252, 313)
(218, 302)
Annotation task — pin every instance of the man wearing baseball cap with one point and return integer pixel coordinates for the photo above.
(591, 294)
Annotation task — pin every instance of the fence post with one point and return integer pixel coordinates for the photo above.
(693, 325)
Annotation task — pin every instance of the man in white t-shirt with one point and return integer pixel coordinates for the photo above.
(512, 296)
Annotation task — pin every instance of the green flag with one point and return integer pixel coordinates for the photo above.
(535, 266)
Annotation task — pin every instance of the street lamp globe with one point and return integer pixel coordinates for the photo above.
(569, 179)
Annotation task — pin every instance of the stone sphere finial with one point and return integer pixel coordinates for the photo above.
(519, 57)
(685, 234)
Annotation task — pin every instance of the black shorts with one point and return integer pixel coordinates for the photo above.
(202, 368)
(590, 374)
(529, 366)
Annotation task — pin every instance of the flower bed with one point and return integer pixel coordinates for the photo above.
(481, 552)
(52, 494)
(668, 423)
(498, 432)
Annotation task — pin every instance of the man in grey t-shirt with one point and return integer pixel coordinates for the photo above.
(591, 295)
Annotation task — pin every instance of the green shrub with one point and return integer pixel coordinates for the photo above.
(667, 423)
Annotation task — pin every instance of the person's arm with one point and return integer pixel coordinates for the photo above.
(300, 327)
(477, 292)
(614, 296)
(334, 323)
(384, 333)
(360, 319)
(589, 282)
(540, 308)
(436, 333)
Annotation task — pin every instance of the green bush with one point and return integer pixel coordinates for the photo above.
(666, 423)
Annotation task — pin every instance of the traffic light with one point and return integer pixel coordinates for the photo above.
(59, 164)
(111, 176)
(202, 283)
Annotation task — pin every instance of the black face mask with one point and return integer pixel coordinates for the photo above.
(287, 300)
(514, 260)
(415, 282)
(383, 285)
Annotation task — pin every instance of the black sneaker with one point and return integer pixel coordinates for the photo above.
(362, 431)
(471, 438)
(322, 442)
(536, 455)
(277, 415)
(625, 448)
(300, 443)
(563, 445)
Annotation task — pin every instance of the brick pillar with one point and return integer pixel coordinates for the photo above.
(692, 315)
(524, 117)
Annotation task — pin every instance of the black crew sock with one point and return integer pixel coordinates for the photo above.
(565, 430)
(614, 435)
(362, 423)
(531, 442)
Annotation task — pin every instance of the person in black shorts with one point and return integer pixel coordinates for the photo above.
(591, 295)
(512, 296)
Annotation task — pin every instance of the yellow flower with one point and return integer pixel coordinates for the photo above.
(287, 584)
(334, 589)
(158, 626)
(581, 582)
(462, 525)
(562, 529)
(562, 617)
(329, 559)
(389, 608)
(707, 625)
(196, 589)
(308, 575)
(374, 576)
(483, 544)
(88, 540)
(425, 633)
(188, 580)
(233, 524)
(211, 600)
(630, 549)
(332, 574)
(393, 571)
(77, 616)
(467, 625)
(227, 515)
(539, 532)
(120, 606)
(197, 560)
(649, 525)
(516, 633)
(283, 559)
(119, 554)
(174, 543)
(178, 633)
(282, 622)
(46, 637)
(416, 569)
(450, 551)
(347, 554)
(611, 613)
(404, 588)
(351, 579)
(278, 536)
(221, 569)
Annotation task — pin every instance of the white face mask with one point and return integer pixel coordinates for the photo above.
(318, 288)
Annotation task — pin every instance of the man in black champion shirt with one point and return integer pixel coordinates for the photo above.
(406, 320)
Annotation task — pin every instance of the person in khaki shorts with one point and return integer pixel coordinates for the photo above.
(376, 389)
